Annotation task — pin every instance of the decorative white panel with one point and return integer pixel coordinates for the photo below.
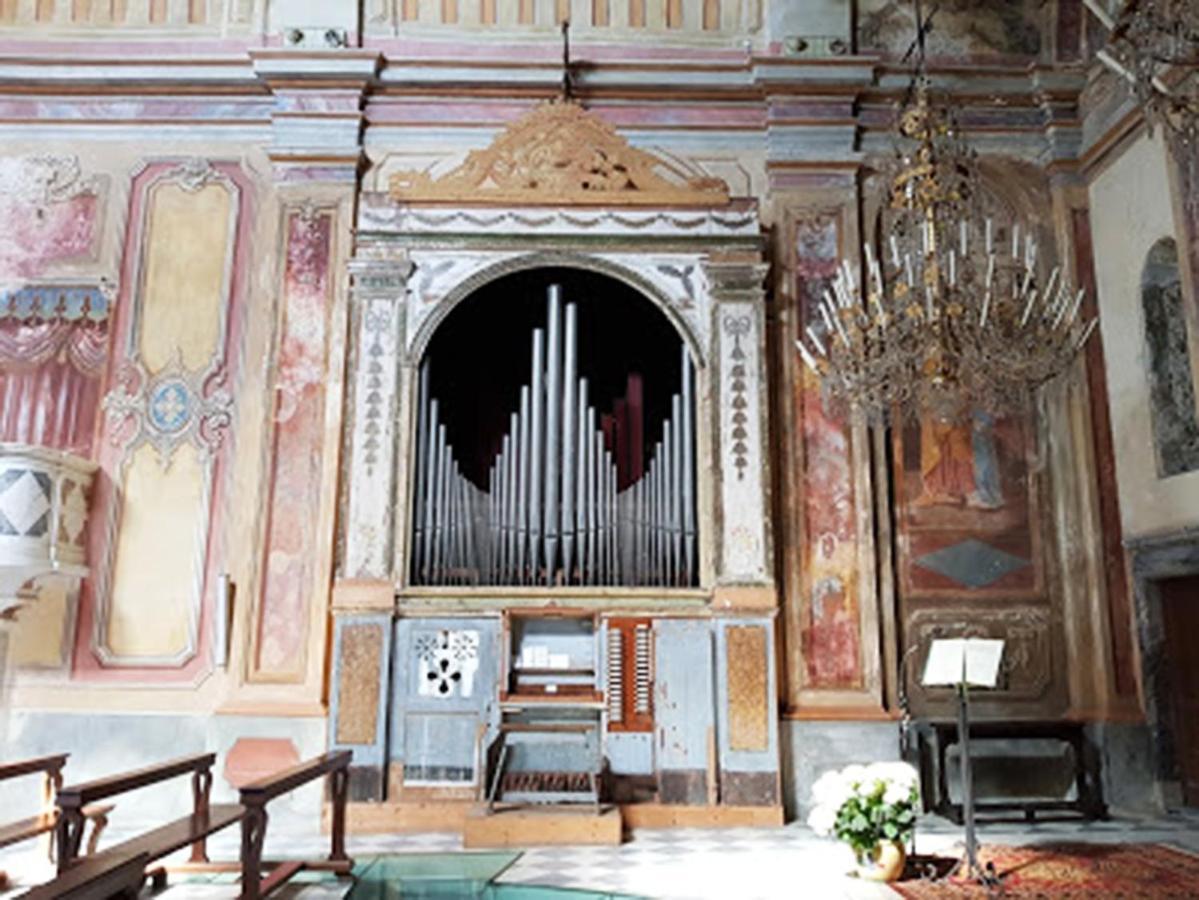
(743, 543)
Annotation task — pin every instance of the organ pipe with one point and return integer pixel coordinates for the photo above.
(560, 504)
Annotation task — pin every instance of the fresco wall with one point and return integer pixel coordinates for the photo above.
(173, 304)
(1126, 231)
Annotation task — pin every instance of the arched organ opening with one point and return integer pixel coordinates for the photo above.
(582, 472)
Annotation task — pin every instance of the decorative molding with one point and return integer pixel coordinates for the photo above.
(380, 214)
(172, 407)
(194, 174)
(560, 154)
(1026, 672)
(57, 302)
(167, 408)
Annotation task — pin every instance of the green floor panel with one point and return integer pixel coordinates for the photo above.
(450, 876)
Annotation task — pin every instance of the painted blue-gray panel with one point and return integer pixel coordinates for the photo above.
(684, 696)
(746, 760)
(630, 753)
(440, 747)
(447, 668)
(375, 753)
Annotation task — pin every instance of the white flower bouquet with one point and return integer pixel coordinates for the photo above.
(866, 805)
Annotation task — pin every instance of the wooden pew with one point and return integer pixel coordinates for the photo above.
(96, 878)
(45, 822)
(256, 796)
(207, 818)
(193, 829)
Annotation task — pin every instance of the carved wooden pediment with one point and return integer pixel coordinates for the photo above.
(561, 154)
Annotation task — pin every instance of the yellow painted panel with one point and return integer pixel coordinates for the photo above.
(159, 554)
(40, 626)
(187, 251)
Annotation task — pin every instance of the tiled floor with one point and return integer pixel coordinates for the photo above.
(681, 864)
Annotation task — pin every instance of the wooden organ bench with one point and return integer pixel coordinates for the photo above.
(45, 822)
(204, 820)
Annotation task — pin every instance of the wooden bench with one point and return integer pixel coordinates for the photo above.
(45, 822)
(207, 818)
(255, 797)
(96, 878)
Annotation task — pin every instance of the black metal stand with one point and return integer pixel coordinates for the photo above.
(985, 876)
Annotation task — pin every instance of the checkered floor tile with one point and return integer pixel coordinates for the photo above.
(673, 864)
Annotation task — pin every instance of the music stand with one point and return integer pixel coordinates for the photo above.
(963, 663)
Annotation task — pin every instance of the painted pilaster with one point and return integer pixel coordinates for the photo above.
(744, 549)
(315, 153)
(379, 289)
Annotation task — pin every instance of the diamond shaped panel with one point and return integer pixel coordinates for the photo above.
(972, 563)
(25, 502)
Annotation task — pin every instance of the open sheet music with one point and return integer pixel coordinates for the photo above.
(972, 661)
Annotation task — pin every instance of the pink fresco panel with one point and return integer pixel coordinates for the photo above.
(296, 458)
(114, 432)
(39, 233)
(830, 637)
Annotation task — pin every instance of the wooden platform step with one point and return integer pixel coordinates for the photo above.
(525, 826)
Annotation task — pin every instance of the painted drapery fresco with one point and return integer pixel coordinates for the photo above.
(296, 458)
(967, 522)
(53, 344)
(830, 630)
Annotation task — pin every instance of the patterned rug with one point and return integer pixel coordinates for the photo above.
(1069, 871)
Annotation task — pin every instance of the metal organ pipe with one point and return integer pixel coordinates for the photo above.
(553, 429)
(569, 439)
(564, 502)
(536, 448)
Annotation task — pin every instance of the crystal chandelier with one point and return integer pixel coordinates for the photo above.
(1154, 45)
(954, 317)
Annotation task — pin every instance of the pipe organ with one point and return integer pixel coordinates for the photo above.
(553, 511)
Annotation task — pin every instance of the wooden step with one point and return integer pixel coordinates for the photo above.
(542, 826)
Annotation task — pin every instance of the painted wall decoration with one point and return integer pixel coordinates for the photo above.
(962, 28)
(49, 211)
(53, 346)
(378, 291)
(1168, 361)
(164, 447)
(830, 629)
(447, 661)
(743, 546)
(291, 545)
(968, 523)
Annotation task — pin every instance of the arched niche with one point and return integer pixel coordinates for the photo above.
(1168, 363)
(555, 438)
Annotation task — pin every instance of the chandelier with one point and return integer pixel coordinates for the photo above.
(955, 316)
(1154, 45)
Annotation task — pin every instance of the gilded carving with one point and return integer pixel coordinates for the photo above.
(561, 154)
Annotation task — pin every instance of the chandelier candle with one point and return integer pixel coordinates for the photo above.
(985, 331)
